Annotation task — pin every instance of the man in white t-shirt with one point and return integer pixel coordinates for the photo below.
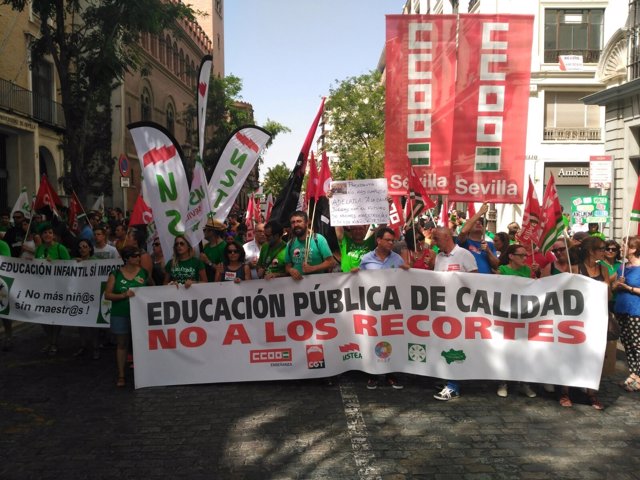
(451, 258)
(252, 249)
(103, 250)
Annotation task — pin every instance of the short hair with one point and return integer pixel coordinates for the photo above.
(301, 214)
(100, 228)
(382, 230)
(275, 226)
(129, 251)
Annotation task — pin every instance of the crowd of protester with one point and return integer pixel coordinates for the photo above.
(294, 250)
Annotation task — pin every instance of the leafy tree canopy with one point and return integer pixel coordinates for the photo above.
(356, 111)
(275, 179)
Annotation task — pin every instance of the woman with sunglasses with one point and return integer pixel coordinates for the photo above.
(612, 258)
(184, 268)
(233, 268)
(590, 257)
(512, 263)
(118, 290)
(627, 310)
(137, 237)
(561, 263)
(157, 257)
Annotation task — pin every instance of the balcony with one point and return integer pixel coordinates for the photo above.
(37, 107)
(588, 56)
(573, 134)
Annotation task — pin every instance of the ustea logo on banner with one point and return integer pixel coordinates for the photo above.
(350, 351)
(315, 356)
(274, 356)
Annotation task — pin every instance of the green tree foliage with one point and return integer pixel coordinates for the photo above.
(93, 45)
(356, 112)
(226, 112)
(275, 179)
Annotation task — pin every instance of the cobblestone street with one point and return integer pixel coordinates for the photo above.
(62, 417)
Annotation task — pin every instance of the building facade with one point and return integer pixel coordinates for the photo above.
(31, 117)
(563, 132)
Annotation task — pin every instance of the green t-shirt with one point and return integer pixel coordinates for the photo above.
(351, 253)
(215, 254)
(523, 271)
(272, 259)
(55, 251)
(5, 251)
(184, 270)
(318, 251)
(120, 308)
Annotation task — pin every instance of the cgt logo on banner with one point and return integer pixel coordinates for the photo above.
(315, 356)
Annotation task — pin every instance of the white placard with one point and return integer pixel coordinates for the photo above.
(359, 202)
(600, 171)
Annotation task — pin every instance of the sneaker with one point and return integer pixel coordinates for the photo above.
(503, 390)
(526, 389)
(549, 388)
(393, 382)
(372, 384)
(447, 394)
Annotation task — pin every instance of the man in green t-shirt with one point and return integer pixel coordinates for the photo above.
(212, 253)
(299, 261)
(353, 245)
(271, 262)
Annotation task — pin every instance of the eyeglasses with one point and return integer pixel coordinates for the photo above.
(232, 251)
(612, 249)
(557, 250)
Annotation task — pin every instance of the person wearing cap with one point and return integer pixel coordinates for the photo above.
(213, 252)
(472, 238)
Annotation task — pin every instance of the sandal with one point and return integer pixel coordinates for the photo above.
(595, 403)
(565, 401)
(121, 382)
(631, 385)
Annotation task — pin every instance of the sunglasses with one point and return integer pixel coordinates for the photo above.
(557, 250)
(612, 249)
(135, 255)
(233, 251)
(156, 244)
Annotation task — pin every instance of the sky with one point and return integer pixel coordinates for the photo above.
(289, 53)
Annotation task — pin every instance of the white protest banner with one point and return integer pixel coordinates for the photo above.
(60, 292)
(359, 202)
(237, 160)
(165, 186)
(440, 324)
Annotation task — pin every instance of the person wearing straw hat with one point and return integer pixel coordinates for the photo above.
(306, 253)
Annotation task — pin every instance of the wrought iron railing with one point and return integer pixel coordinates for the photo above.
(576, 134)
(20, 100)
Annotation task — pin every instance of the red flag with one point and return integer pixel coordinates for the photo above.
(47, 197)
(268, 208)
(142, 214)
(551, 224)
(312, 180)
(530, 231)
(257, 209)
(444, 213)
(471, 209)
(635, 208)
(324, 180)
(415, 186)
(75, 208)
(288, 199)
(250, 219)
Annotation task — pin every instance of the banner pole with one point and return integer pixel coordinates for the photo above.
(626, 246)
